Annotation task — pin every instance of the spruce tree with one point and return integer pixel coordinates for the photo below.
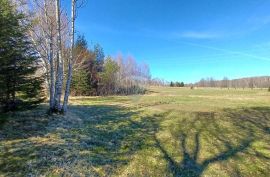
(182, 84)
(81, 84)
(18, 61)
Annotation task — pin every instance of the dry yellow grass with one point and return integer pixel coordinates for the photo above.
(168, 132)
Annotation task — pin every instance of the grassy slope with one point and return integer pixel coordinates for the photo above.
(169, 132)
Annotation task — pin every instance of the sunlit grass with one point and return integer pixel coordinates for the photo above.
(167, 132)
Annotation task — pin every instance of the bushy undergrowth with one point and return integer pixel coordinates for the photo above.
(131, 90)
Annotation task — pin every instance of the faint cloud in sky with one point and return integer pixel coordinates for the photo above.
(241, 53)
(197, 35)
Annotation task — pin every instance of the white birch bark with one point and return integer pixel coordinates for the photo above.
(70, 61)
(50, 57)
(59, 75)
(52, 73)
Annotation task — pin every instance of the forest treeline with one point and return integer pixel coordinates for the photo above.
(249, 82)
(40, 56)
(95, 74)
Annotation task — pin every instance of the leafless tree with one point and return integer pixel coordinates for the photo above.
(59, 61)
(225, 83)
(251, 82)
(70, 60)
(53, 37)
(212, 82)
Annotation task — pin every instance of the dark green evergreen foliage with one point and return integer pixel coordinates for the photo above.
(182, 84)
(108, 83)
(85, 78)
(177, 84)
(80, 83)
(99, 57)
(18, 61)
(88, 68)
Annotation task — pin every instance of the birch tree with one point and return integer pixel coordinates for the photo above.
(70, 61)
(50, 56)
(59, 61)
(53, 35)
(42, 34)
(74, 6)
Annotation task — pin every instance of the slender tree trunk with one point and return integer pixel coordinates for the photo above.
(70, 61)
(49, 40)
(52, 81)
(59, 75)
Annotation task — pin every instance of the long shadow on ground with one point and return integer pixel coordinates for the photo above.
(246, 127)
(99, 140)
(91, 140)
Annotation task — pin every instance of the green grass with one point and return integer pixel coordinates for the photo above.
(167, 132)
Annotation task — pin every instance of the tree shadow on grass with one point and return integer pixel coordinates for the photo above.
(257, 118)
(92, 140)
(99, 140)
(230, 134)
(189, 166)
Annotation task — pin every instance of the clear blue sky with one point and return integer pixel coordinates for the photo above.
(184, 40)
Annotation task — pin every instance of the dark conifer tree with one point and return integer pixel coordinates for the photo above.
(182, 84)
(18, 61)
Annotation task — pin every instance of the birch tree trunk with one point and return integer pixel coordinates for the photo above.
(59, 75)
(70, 61)
(52, 85)
(50, 57)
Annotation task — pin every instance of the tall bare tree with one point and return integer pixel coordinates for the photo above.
(50, 55)
(43, 35)
(59, 61)
(53, 36)
(70, 60)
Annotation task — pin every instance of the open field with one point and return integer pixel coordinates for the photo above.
(167, 132)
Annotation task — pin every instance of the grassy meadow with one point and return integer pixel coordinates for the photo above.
(166, 132)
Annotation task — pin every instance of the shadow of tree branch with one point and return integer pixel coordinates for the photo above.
(190, 165)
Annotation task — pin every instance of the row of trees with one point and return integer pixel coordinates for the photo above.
(87, 68)
(37, 34)
(177, 84)
(53, 36)
(38, 49)
(158, 82)
(95, 74)
(251, 82)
